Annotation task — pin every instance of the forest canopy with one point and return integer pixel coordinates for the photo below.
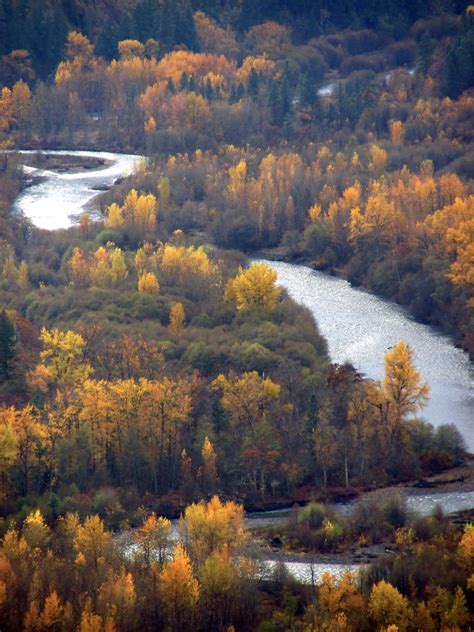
(156, 383)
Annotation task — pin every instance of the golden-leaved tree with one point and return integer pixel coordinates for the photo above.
(254, 288)
(136, 218)
(251, 402)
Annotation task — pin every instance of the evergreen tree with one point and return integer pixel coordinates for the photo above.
(8, 345)
(285, 93)
(426, 49)
(253, 84)
(185, 31)
(273, 101)
(209, 90)
(191, 84)
(3, 29)
(307, 91)
(183, 82)
(250, 14)
(220, 418)
(146, 18)
(232, 94)
(168, 25)
(459, 64)
(312, 414)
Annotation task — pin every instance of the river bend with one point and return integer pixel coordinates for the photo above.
(358, 326)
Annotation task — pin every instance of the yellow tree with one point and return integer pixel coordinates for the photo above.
(460, 242)
(79, 268)
(117, 598)
(179, 591)
(137, 216)
(118, 266)
(190, 268)
(35, 531)
(379, 159)
(387, 606)
(63, 356)
(219, 586)
(254, 288)
(397, 132)
(79, 57)
(78, 45)
(90, 622)
(153, 539)
(54, 613)
(237, 183)
(8, 450)
(402, 386)
(100, 272)
(213, 527)
(260, 64)
(130, 48)
(209, 468)
(466, 547)
(91, 542)
(341, 597)
(21, 107)
(250, 402)
(148, 283)
(163, 422)
(379, 222)
(247, 398)
(115, 220)
(177, 317)
(6, 117)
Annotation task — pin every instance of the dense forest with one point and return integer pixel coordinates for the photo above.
(147, 371)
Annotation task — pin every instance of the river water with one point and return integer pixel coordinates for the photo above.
(60, 198)
(359, 327)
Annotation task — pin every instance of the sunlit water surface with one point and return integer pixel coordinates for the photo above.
(360, 328)
(58, 201)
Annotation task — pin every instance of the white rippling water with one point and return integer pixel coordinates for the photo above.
(360, 328)
(57, 201)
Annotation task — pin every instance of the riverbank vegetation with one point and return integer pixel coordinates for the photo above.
(170, 371)
(376, 522)
(78, 576)
(144, 365)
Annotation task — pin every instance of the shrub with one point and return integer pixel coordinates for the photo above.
(312, 515)
(395, 511)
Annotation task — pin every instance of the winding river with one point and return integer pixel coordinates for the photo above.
(358, 326)
(361, 327)
(59, 198)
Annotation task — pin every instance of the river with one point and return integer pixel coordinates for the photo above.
(358, 326)
(60, 198)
